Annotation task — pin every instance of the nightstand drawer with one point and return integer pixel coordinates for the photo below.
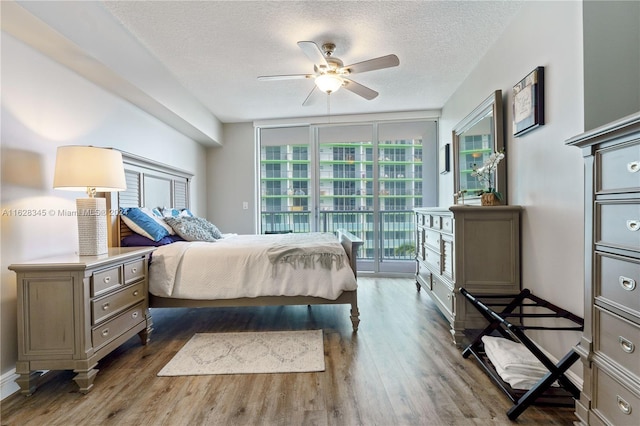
(106, 307)
(618, 339)
(105, 280)
(133, 271)
(117, 326)
(615, 403)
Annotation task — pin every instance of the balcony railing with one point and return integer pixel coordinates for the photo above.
(396, 236)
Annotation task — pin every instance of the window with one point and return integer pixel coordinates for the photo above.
(345, 179)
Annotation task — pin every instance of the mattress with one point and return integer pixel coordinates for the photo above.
(310, 264)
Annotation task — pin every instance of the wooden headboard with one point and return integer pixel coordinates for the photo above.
(149, 184)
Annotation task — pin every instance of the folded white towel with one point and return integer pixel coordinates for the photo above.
(514, 363)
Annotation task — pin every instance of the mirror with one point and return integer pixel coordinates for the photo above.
(474, 139)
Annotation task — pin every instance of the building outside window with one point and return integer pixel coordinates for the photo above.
(326, 178)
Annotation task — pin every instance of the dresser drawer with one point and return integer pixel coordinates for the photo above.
(618, 281)
(619, 168)
(105, 280)
(106, 307)
(618, 339)
(133, 271)
(422, 219)
(447, 224)
(432, 240)
(117, 326)
(436, 222)
(432, 258)
(618, 224)
(615, 403)
(443, 293)
(423, 275)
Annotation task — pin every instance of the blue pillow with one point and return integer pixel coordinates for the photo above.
(141, 223)
(137, 240)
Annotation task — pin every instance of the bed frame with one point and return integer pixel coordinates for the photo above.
(154, 184)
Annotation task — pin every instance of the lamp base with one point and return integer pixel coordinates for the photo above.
(92, 226)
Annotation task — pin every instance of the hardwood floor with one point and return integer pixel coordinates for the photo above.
(399, 369)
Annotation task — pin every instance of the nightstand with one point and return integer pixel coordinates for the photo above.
(74, 310)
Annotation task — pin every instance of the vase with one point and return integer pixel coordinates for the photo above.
(489, 199)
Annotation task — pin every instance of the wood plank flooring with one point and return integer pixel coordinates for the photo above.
(399, 369)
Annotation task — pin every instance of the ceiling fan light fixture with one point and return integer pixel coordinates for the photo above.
(329, 83)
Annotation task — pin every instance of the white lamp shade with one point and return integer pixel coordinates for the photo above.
(328, 83)
(82, 167)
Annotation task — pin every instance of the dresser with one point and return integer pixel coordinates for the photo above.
(73, 310)
(473, 247)
(610, 345)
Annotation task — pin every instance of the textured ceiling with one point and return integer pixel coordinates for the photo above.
(217, 49)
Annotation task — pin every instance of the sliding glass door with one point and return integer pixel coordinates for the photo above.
(365, 178)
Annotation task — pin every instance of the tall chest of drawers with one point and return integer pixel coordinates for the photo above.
(73, 310)
(473, 247)
(610, 346)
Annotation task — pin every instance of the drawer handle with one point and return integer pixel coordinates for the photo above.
(105, 332)
(628, 284)
(105, 306)
(626, 345)
(135, 293)
(633, 225)
(106, 280)
(134, 315)
(633, 166)
(134, 270)
(623, 405)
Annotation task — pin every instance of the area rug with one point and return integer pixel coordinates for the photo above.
(248, 352)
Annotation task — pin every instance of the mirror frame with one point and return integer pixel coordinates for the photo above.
(492, 104)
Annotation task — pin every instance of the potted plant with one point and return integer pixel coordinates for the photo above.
(486, 176)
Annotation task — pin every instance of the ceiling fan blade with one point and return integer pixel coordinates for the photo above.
(309, 99)
(359, 89)
(285, 77)
(374, 64)
(313, 52)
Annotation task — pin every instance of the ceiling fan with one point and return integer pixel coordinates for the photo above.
(330, 74)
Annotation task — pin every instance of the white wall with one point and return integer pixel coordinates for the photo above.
(44, 105)
(231, 180)
(544, 175)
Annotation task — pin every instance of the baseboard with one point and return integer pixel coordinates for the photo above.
(8, 385)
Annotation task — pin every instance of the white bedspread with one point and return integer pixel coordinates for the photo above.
(252, 266)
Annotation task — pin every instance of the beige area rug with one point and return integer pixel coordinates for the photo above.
(248, 352)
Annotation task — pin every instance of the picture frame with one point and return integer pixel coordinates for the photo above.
(528, 102)
(444, 161)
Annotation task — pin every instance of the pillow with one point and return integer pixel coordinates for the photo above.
(137, 240)
(194, 228)
(167, 212)
(143, 223)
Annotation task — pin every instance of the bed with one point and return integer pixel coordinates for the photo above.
(288, 260)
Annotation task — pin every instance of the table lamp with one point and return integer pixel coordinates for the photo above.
(90, 169)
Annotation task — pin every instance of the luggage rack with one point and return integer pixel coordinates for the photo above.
(541, 392)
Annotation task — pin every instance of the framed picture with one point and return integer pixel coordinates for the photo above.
(444, 159)
(528, 102)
